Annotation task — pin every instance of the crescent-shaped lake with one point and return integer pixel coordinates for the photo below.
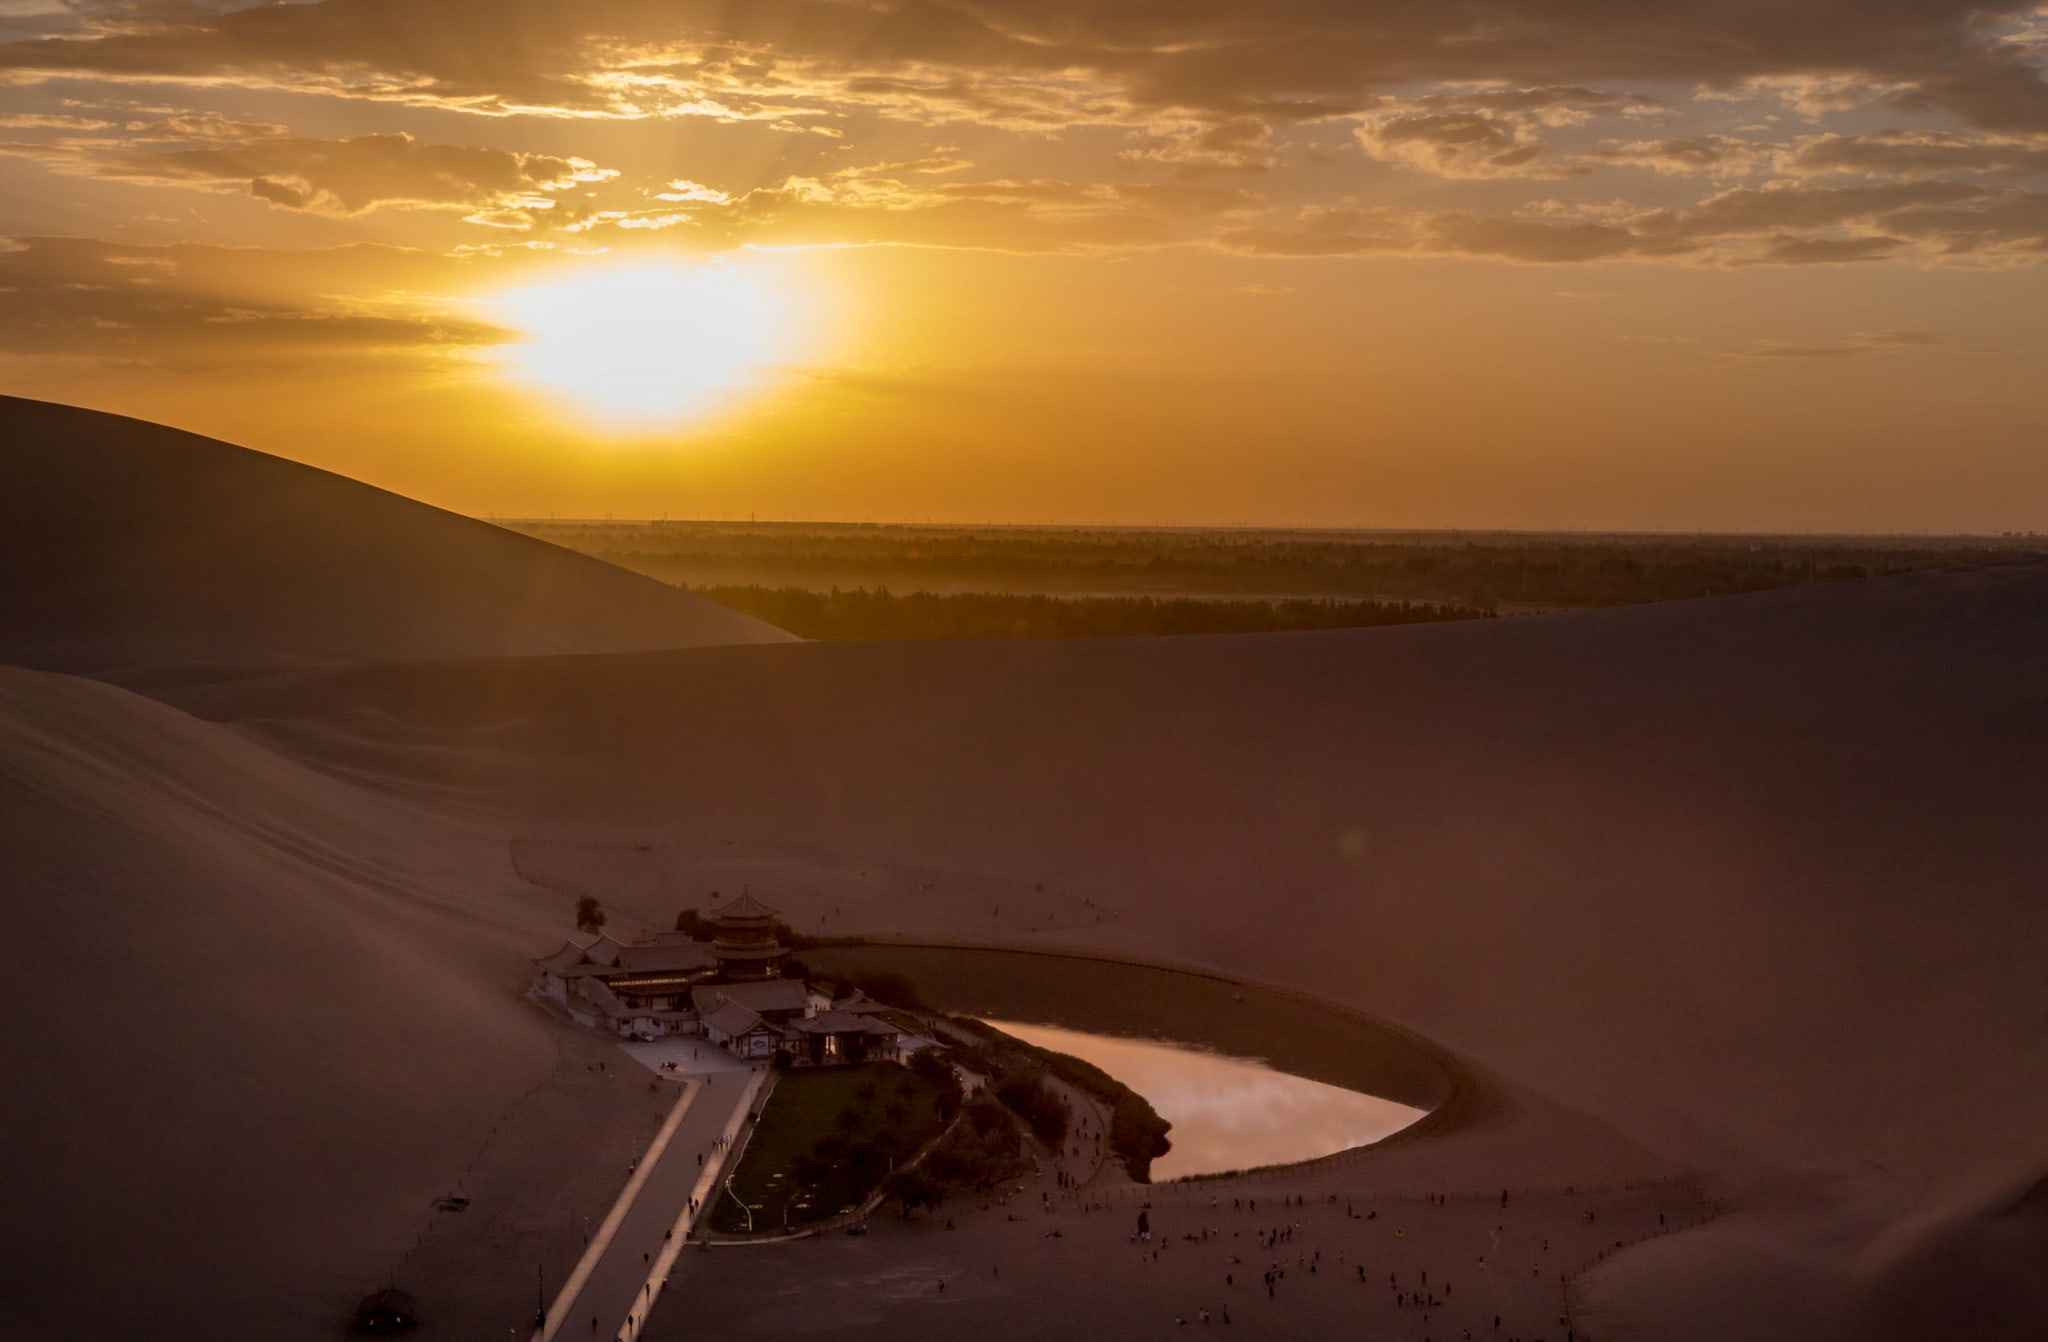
(1248, 1076)
(1227, 1113)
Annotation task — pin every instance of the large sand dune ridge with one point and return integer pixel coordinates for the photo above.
(126, 545)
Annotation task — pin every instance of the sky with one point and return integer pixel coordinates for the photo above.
(1611, 264)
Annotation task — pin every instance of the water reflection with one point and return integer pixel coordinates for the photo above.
(1228, 1113)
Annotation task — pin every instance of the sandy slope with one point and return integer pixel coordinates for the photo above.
(255, 1021)
(1756, 885)
(1758, 882)
(129, 545)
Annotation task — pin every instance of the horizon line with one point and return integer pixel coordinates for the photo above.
(1625, 533)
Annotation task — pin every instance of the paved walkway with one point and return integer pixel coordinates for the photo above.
(622, 1273)
(675, 1058)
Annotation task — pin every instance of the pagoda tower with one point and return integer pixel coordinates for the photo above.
(746, 941)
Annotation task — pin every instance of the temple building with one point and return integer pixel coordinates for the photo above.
(641, 990)
(748, 941)
(733, 993)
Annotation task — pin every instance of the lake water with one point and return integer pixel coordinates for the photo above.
(1228, 1113)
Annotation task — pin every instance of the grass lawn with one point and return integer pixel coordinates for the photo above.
(828, 1137)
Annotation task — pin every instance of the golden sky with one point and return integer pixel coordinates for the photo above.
(1532, 263)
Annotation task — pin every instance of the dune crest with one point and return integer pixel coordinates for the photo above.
(132, 549)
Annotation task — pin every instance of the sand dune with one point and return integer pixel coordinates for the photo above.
(1756, 881)
(255, 1020)
(130, 545)
(1755, 884)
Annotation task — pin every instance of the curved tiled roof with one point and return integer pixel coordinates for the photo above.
(746, 906)
(767, 995)
(563, 960)
(730, 1018)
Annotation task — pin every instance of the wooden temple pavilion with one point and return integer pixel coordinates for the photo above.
(747, 940)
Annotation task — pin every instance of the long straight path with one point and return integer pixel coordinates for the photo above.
(613, 1288)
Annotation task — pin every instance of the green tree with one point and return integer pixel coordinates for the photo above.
(589, 914)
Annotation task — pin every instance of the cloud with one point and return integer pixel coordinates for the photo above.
(1697, 155)
(1786, 205)
(364, 173)
(1034, 215)
(1515, 238)
(49, 121)
(1784, 223)
(1193, 148)
(1088, 124)
(179, 127)
(928, 202)
(1053, 61)
(1812, 94)
(1909, 154)
(1325, 230)
(1353, 231)
(1786, 250)
(1459, 144)
(190, 306)
(1552, 105)
(1861, 343)
(1488, 132)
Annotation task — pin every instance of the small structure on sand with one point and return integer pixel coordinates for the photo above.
(733, 994)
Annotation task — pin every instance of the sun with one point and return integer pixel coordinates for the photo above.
(646, 342)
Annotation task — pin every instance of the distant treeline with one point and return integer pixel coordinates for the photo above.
(1474, 570)
(861, 614)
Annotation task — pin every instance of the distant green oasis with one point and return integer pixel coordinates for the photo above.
(859, 581)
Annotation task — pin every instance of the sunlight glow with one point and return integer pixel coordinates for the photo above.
(646, 342)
